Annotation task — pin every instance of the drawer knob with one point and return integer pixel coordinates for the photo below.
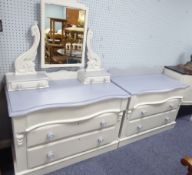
(171, 106)
(105, 80)
(103, 124)
(100, 140)
(143, 113)
(50, 156)
(40, 85)
(50, 136)
(139, 127)
(167, 120)
(19, 87)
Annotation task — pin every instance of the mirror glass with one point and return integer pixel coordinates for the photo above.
(64, 31)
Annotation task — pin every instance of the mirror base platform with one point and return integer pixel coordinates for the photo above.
(37, 80)
(93, 77)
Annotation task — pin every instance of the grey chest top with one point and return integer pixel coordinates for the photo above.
(141, 84)
(62, 93)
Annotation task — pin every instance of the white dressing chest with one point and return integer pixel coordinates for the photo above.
(68, 122)
(64, 123)
(153, 107)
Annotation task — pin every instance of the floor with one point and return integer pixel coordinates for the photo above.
(156, 155)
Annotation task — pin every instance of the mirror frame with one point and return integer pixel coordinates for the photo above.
(67, 3)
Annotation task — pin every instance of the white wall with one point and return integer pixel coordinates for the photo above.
(127, 33)
(135, 33)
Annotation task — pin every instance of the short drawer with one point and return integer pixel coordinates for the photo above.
(48, 153)
(138, 126)
(52, 133)
(143, 110)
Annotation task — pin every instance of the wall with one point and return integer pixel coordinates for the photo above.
(127, 34)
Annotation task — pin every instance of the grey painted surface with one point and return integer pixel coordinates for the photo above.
(66, 93)
(126, 34)
(140, 84)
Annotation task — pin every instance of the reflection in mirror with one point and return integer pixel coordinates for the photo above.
(64, 35)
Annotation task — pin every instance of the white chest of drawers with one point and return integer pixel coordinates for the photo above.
(153, 107)
(69, 122)
(187, 96)
(64, 124)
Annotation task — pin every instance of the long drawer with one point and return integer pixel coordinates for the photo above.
(50, 133)
(138, 126)
(144, 110)
(54, 151)
(75, 112)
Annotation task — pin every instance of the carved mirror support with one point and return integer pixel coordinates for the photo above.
(25, 76)
(68, 43)
(94, 73)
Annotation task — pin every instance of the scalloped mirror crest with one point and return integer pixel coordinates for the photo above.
(25, 75)
(94, 73)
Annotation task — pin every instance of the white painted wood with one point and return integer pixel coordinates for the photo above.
(54, 132)
(187, 97)
(19, 151)
(25, 76)
(154, 104)
(47, 168)
(54, 116)
(62, 75)
(25, 82)
(70, 4)
(93, 77)
(24, 64)
(140, 125)
(127, 140)
(147, 109)
(94, 73)
(54, 151)
(54, 136)
(94, 61)
(158, 97)
(175, 75)
(48, 126)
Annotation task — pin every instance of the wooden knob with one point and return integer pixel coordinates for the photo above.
(187, 161)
